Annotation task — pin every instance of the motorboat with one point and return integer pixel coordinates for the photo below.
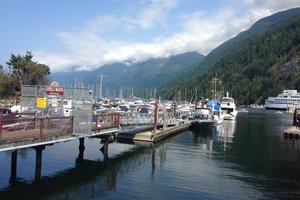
(228, 108)
(203, 119)
(217, 111)
(207, 115)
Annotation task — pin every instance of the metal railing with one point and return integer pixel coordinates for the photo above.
(28, 125)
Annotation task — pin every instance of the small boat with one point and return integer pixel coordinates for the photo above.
(228, 107)
(203, 119)
(207, 115)
(217, 111)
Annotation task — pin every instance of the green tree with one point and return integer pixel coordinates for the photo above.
(27, 72)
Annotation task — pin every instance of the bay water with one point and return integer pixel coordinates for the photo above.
(243, 159)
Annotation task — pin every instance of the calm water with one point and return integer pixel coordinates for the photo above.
(245, 159)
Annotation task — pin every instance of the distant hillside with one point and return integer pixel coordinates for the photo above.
(255, 64)
(151, 73)
(259, 28)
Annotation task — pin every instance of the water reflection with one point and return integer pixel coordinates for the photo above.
(220, 135)
(243, 159)
(89, 178)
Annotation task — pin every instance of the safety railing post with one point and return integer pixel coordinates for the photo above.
(41, 126)
(1, 122)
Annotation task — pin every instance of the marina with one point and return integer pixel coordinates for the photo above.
(116, 100)
(118, 126)
(171, 168)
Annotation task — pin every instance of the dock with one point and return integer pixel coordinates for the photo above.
(294, 131)
(153, 135)
(43, 120)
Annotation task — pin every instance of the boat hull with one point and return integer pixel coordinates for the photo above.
(203, 124)
(230, 116)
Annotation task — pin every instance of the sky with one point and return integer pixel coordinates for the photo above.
(80, 35)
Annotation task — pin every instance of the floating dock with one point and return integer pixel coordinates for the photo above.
(292, 132)
(151, 135)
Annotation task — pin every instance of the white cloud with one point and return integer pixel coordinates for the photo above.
(199, 31)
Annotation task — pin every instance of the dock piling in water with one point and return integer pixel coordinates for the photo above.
(13, 171)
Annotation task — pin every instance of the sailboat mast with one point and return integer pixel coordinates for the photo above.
(101, 86)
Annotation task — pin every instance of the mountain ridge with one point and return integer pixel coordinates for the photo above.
(146, 74)
(254, 66)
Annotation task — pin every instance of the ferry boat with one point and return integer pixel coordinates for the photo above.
(288, 99)
(228, 107)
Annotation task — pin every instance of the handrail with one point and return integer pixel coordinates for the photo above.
(26, 125)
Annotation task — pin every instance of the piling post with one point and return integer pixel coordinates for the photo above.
(13, 171)
(1, 117)
(174, 108)
(81, 150)
(155, 116)
(165, 119)
(38, 162)
(41, 126)
(104, 150)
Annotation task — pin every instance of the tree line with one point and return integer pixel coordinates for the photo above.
(21, 70)
(261, 66)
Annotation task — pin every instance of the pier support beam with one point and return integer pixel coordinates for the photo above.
(13, 171)
(81, 150)
(38, 162)
(109, 139)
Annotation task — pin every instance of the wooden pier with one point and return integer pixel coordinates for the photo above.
(294, 131)
(38, 128)
(154, 135)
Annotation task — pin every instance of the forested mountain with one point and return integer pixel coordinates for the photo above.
(257, 63)
(147, 74)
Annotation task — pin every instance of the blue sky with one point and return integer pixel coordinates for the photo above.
(83, 35)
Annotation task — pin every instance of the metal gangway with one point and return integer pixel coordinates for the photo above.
(143, 119)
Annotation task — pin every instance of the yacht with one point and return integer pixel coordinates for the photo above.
(203, 119)
(288, 99)
(207, 115)
(228, 107)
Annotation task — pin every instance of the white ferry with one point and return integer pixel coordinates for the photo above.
(288, 99)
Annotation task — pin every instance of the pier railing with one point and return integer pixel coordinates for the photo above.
(18, 126)
(102, 121)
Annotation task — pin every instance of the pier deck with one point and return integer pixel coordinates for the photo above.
(17, 131)
(151, 136)
(292, 132)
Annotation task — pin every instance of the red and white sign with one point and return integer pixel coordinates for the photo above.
(55, 89)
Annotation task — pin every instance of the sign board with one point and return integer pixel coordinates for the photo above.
(55, 89)
(41, 102)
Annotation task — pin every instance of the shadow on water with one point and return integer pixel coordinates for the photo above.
(89, 178)
(88, 175)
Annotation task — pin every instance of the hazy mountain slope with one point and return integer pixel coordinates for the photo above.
(258, 28)
(147, 74)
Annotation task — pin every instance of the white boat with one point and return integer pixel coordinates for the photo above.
(203, 119)
(217, 111)
(288, 99)
(228, 107)
(207, 115)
